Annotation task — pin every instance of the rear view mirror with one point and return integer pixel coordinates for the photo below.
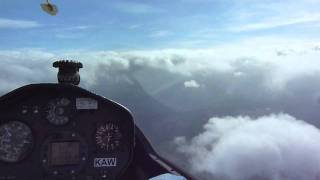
(49, 8)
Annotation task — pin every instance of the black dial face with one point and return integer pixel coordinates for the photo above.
(15, 141)
(58, 111)
(108, 137)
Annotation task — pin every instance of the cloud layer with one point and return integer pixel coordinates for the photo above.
(246, 81)
(274, 147)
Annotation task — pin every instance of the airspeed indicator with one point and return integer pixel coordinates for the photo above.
(15, 141)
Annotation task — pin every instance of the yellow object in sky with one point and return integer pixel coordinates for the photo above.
(49, 8)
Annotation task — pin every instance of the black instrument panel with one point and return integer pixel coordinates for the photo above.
(61, 131)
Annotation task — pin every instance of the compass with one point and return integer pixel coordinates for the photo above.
(108, 137)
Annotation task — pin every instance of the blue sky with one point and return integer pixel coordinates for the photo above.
(153, 24)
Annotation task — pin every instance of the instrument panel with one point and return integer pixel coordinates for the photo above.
(16, 141)
(59, 111)
(61, 131)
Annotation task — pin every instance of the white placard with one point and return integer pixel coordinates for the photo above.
(86, 103)
(105, 162)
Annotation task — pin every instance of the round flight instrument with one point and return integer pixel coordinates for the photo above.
(58, 111)
(15, 141)
(108, 137)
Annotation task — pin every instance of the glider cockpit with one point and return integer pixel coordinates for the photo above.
(63, 132)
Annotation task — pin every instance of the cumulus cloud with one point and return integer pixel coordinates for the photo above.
(191, 84)
(228, 74)
(274, 147)
(226, 70)
(235, 81)
(20, 67)
(224, 58)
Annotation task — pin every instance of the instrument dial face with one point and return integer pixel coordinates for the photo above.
(58, 110)
(15, 141)
(108, 136)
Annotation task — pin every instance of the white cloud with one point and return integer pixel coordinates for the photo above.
(274, 147)
(72, 32)
(160, 34)
(191, 84)
(238, 74)
(24, 66)
(257, 53)
(69, 36)
(83, 27)
(198, 1)
(18, 24)
(137, 8)
(79, 27)
(252, 15)
(275, 23)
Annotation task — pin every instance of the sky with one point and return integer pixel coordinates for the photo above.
(145, 24)
(231, 84)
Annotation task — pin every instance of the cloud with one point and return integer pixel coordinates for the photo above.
(270, 147)
(197, 1)
(83, 27)
(17, 24)
(248, 16)
(160, 34)
(134, 26)
(235, 81)
(281, 53)
(76, 28)
(238, 74)
(24, 66)
(235, 59)
(137, 8)
(276, 23)
(316, 48)
(191, 84)
(69, 36)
